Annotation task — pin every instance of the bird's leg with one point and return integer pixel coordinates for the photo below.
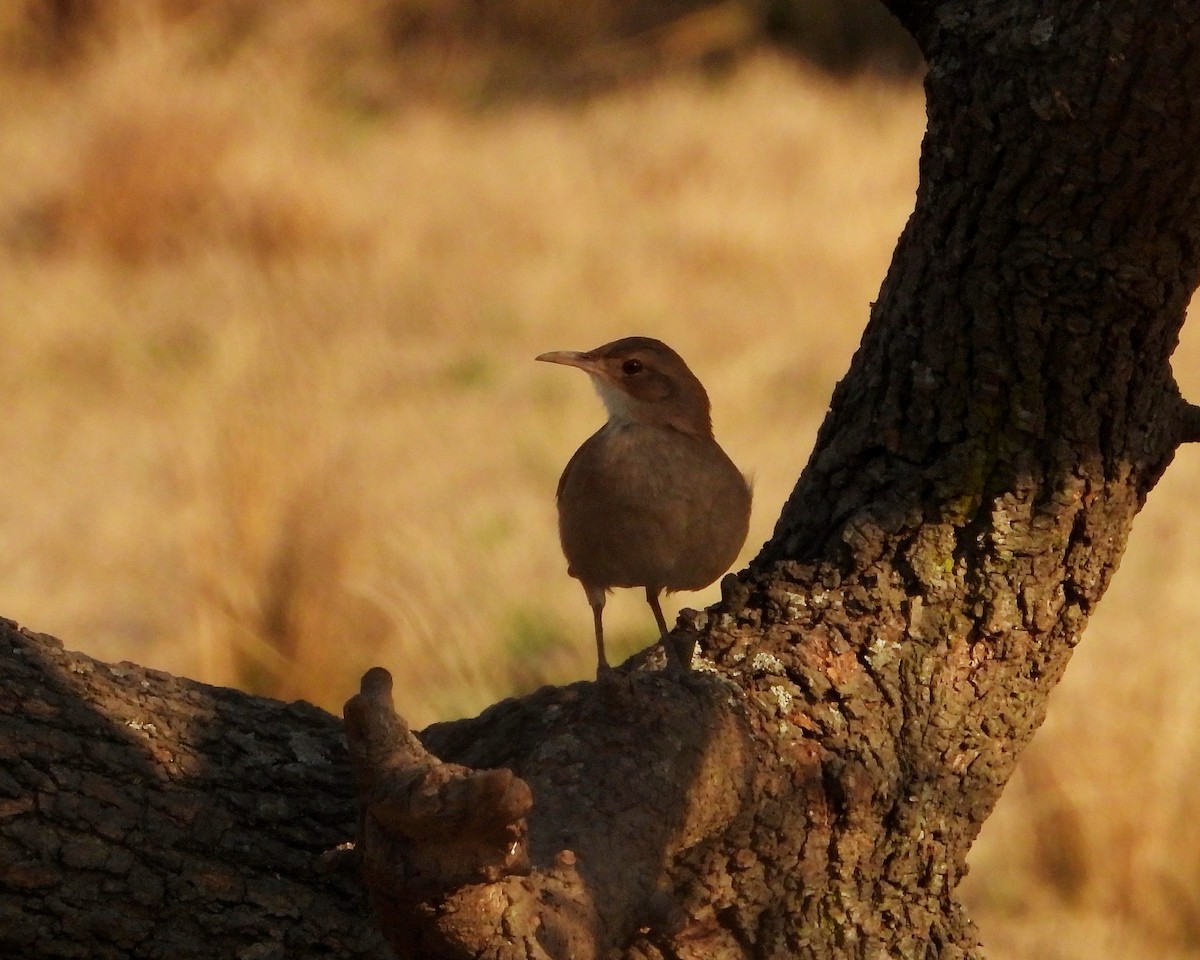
(595, 597)
(652, 599)
(675, 663)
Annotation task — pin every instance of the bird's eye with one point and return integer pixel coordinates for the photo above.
(631, 367)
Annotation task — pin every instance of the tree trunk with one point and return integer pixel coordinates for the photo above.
(867, 686)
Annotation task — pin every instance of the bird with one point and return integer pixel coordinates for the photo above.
(650, 499)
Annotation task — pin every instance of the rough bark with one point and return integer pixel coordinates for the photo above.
(869, 683)
(147, 816)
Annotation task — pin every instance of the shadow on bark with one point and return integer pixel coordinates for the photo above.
(146, 816)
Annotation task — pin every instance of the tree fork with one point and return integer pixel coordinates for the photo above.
(866, 686)
(970, 494)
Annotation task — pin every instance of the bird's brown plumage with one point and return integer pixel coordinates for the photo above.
(649, 500)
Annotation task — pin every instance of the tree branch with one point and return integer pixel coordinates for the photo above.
(1188, 422)
(143, 816)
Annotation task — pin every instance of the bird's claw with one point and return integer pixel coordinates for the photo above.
(679, 661)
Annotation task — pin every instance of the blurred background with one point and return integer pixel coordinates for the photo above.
(274, 273)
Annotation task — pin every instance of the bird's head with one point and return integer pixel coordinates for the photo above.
(642, 380)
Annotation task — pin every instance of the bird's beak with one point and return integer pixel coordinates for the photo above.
(616, 399)
(570, 358)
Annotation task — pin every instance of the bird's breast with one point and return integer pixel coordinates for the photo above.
(650, 506)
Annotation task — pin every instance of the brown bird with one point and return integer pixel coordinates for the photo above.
(650, 500)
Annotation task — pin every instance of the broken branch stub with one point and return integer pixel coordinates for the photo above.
(441, 824)
(444, 849)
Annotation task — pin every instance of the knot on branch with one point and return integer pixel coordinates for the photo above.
(424, 822)
(444, 850)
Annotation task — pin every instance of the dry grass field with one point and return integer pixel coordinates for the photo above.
(271, 415)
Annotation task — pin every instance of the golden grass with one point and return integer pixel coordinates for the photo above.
(272, 415)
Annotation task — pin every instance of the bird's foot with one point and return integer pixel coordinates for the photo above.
(679, 670)
(678, 651)
(617, 688)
